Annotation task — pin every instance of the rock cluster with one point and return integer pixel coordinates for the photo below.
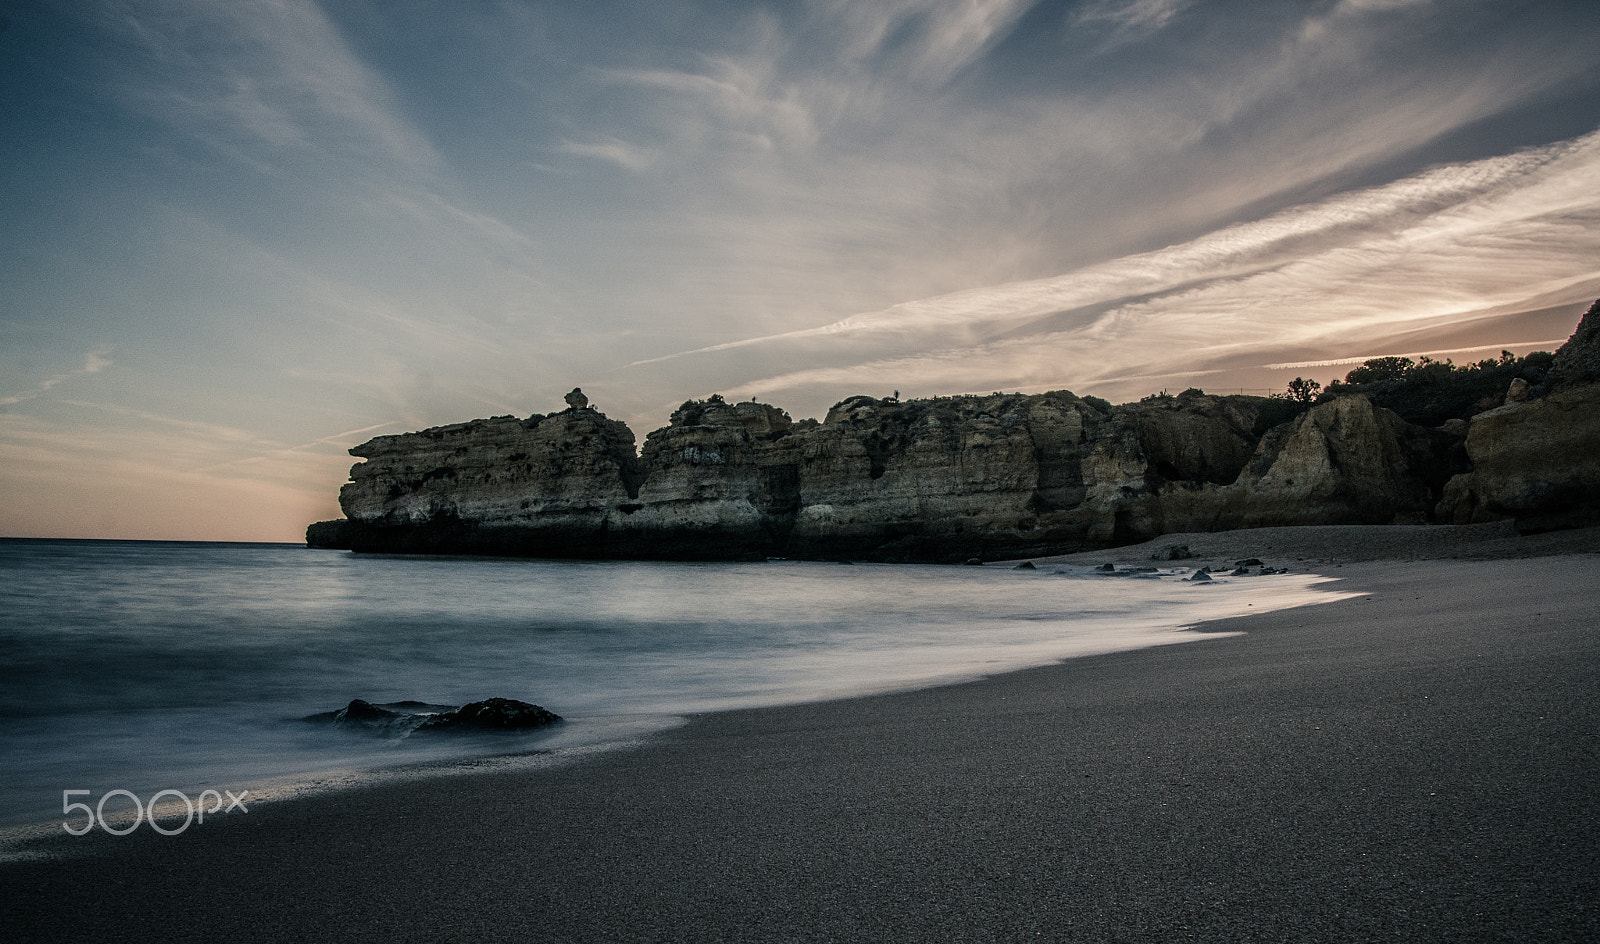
(402, 719)
(959, 478)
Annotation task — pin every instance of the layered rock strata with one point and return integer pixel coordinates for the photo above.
(942, 479)
(1537, 460)
(957, 478)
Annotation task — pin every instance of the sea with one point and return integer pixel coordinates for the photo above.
(129, 668)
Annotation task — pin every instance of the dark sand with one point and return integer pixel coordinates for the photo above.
(1418, 764)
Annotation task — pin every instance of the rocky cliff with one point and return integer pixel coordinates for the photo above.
(942, 479)
(1536, 459)
(1000, 476)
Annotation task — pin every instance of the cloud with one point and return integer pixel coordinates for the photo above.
(1438, 247)
(251, 79)
(620, 153)
(148, 482)
(927, 40)
(1133, 16)
(1549, 345)
(1455, 198)
(93, 363)
(805, 200)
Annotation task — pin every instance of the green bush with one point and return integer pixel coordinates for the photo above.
(1429, 392)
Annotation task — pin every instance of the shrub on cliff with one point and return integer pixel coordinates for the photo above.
(1429, 392)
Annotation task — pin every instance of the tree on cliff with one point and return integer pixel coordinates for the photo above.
(1302, 390)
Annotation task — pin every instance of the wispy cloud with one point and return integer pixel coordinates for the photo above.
(1456, 201)
(343, 440)
(1445, 244)
(928, 40)
(252, 78)
(611, 150)
(1549, 344)
(1133, 18)
(93, 363)
(300, 218)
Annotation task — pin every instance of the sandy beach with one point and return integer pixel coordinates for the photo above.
(1419, 763)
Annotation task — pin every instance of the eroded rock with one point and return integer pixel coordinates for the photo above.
(1004, 476)
(402, 719)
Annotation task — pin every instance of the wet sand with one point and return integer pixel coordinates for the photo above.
(1421, 763)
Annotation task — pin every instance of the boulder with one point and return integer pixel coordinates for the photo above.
(1537, 462)
(400, 719)
(494, 714)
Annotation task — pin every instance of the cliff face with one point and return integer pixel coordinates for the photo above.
(951, 478)
(539, 486)
(1537, 461)
(943, 479)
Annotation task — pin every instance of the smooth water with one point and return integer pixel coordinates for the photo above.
(148, 666)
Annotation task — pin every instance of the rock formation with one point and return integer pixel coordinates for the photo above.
(943, 479)
(955, 478)
(405, 718)
(1537, 460)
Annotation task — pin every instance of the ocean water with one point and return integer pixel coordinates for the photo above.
(147, 666)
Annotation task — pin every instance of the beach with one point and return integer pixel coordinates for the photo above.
(1418, 763)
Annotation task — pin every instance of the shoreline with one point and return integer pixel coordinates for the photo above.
(1342, 771)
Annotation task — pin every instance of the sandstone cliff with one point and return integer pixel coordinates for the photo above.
(943, 479)
(1006, 475)
(1536, 460)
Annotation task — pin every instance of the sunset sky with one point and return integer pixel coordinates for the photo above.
(238, 237)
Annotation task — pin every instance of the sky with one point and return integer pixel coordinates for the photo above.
(237, 238)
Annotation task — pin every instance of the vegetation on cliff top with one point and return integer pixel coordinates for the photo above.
(1424, 391)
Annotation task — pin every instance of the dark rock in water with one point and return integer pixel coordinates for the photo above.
(1107, 568)
(1172, 552)
(1204, 570)
(357, 712)
(974, 562)
(401, 718)
(360, 711)
(494, 714)
(361, 715)
(1201, 576)
(1248, 562)
(1240, 572)
(1025, 565)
